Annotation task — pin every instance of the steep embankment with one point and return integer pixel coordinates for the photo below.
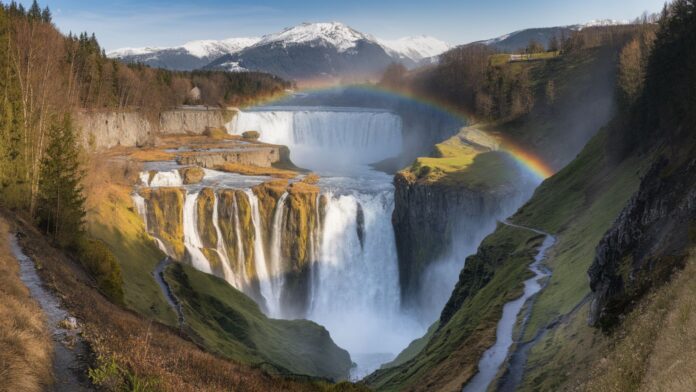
(458, 185)
(459, 193)
(561, 206)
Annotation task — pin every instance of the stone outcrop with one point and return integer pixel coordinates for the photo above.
(102, 130)
(191, 175)
(429, 216)
(261, 155)
(647, 243)
(193, 121)
(165, 218)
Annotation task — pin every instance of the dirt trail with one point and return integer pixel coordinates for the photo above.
(70, 352)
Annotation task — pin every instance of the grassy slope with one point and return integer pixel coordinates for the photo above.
(656, 344)
(232, 324)
(578, 205)
(450, 356)
(111, 217)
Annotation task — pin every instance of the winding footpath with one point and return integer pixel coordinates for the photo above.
(69, 351)
(158, 274)
(492, 360)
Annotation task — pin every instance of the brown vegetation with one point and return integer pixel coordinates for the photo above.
(133, 352)
(25, 344)
(251, 170)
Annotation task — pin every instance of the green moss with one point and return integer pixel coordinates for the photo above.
(227, 322)
(165, 217)
(115, 221)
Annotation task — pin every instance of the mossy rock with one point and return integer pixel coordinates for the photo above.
(165, 217)
(192, 175)
(251, 135)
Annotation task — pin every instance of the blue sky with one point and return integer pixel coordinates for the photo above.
(134, 23)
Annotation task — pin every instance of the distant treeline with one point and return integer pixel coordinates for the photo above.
(474, 79)
(47, 76)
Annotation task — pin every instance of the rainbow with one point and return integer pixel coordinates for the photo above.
(528, 160)
(531, 162)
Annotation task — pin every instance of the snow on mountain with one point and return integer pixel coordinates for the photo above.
(415, 48)
(601, 22)
(328, 34)
(199, 49)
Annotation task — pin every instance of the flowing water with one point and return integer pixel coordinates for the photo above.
(353, 279)
(493, 358)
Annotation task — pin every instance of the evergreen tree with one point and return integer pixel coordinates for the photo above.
(61, 203)
(34, 11)
(46, 16)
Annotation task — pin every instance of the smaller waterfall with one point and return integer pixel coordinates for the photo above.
(259, 254)
(277, 278)
(141, 207)
(162, 178)
(241, 258)
(192, 241)
(221, 249)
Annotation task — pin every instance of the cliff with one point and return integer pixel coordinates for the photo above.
(455, 195)
(193, 120)
(103, 130)
(649, 241)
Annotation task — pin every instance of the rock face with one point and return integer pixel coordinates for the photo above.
(428, 216)
(262, 156)
(165, 219)
(288, 217)
(194, 121)
(102, 130)
(647, 242)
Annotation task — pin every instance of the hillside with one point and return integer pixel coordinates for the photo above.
(592, 206)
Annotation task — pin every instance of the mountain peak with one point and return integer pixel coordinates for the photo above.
(334, 34)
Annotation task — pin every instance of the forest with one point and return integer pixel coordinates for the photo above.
(47, 77)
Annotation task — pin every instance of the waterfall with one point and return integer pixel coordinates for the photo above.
(192, 241)
(277, 273)
(241, 258)
(162, 178)
(355, 292)
(320, 138)
(221, 249)
(141, 207)
(259, 253)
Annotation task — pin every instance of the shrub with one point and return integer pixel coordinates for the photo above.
(101, 264)
(253, 135)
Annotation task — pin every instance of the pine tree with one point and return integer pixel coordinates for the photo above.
(61, 203)
(34, 12)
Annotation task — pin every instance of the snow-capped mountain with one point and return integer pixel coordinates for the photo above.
(333, 34)
(601, 23)
(304, 51)
(191, 55)
(312, 51)
(416, 49)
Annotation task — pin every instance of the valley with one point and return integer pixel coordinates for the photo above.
(318, 209)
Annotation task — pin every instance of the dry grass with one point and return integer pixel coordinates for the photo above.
(135, 352)
(26, 348)
(655, 348)
(151, 155)
(251, 170)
